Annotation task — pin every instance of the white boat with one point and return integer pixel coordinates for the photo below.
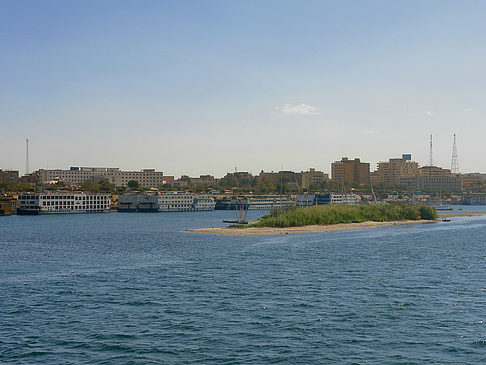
(269, 202)
(60, 202)
(165, 202)
(185, 202)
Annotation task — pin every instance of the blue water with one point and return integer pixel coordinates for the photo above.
(133, 288)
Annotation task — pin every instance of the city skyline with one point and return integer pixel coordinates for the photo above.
(254, 171)
(194, 88)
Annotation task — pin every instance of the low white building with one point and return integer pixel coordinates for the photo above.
(79, 175)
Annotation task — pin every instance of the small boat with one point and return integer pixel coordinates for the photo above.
(443, 208)
(241, 211)
(236, 221)
(446, 220)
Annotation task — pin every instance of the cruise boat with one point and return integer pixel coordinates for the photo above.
(185, 202)
(254, 202)
(165, 202)
(305, 200)
(269, 202)
(69, 202)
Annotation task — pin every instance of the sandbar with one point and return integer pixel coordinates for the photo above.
(251, 231)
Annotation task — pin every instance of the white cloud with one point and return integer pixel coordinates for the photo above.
(469, 110)
(303, 109)
(429, 113)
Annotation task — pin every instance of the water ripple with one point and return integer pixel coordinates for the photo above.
(128, 288)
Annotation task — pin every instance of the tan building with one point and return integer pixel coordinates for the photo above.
(9, 175)
(205, 180)
(5, 208)
(434, 171)
(374, 178)
(240, 175)
(395, 170)
(287, 177)
(473, 182)
(350, 171)
(312, 177)
(434, 178)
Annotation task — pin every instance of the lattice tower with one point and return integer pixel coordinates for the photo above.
(455, 158)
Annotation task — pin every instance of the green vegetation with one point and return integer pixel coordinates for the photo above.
(133, 184)
(17, 186)
(102, 186)
(335, 214)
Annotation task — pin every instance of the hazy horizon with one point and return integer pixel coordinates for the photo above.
(203, 87)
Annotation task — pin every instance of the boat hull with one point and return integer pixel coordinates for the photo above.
(21, 211)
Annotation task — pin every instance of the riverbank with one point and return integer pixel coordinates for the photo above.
(254, 231)
(469, 213)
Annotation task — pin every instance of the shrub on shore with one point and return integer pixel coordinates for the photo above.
(337, 213)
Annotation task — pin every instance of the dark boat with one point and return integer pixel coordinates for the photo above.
(28, 211)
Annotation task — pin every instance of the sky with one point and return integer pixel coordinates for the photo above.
(204, 87)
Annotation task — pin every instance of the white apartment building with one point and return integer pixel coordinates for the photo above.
(78, 175)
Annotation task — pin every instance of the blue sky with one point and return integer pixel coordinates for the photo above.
(200, 87)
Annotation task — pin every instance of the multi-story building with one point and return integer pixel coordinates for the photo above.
(242, 175)
(350, 171)
(168, 179)
(374, 178)
(33, 178)
(434, 178)
(78, 175)
(287, 177)
(473, 182)
(205, 180)
(396, 169)
(312, 177)
(434, 171)
(9, 175)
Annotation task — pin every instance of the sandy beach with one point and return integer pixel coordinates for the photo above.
(305, 229)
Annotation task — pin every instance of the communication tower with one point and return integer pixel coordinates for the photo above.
(431, 156)
(455, 158)
(27, 156)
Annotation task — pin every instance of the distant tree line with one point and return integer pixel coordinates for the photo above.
(238, 183)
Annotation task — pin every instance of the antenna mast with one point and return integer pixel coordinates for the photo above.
(431, 157)
(455, 158)
(27, 156)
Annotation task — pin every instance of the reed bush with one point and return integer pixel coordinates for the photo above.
(337, 213)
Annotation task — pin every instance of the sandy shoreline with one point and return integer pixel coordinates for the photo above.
(305, 229)
(460, 214)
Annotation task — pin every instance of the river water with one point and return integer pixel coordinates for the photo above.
(133, 288)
